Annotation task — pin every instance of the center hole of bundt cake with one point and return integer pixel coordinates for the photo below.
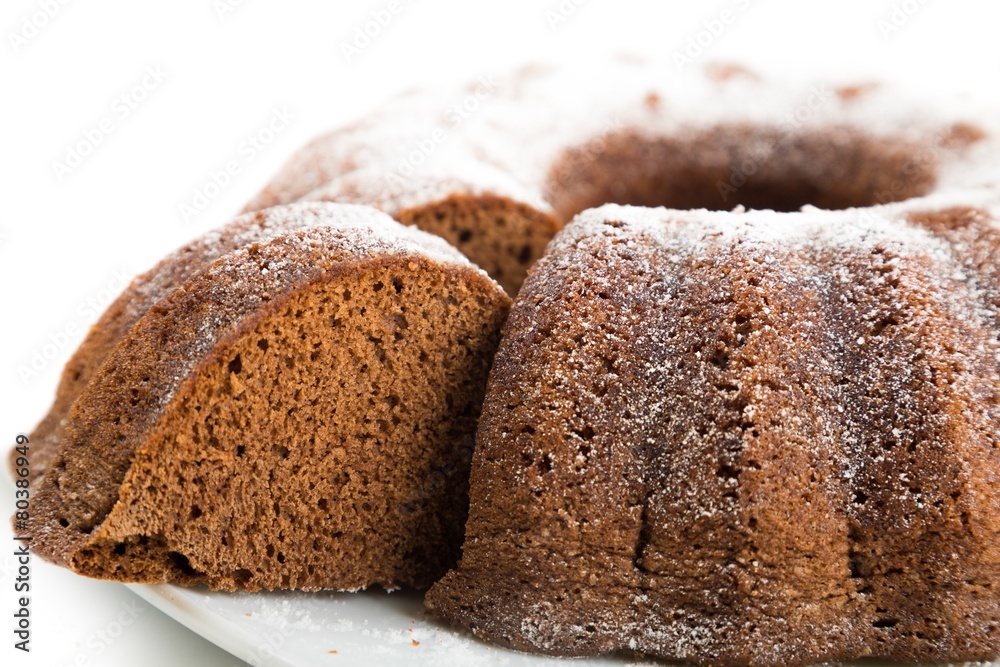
(756, 167)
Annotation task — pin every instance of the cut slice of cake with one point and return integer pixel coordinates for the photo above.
(297, 411)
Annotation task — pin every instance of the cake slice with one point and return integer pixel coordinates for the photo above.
(296, 411)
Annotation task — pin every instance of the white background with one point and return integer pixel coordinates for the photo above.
(66, 240)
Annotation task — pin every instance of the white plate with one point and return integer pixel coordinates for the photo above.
(373, 628)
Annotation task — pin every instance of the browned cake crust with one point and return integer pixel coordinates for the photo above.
(298, 413)
(744, 439)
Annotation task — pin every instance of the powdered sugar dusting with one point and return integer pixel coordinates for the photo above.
(415, 148)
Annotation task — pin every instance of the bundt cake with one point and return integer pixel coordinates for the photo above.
(287, 402)
(712, 434)
(497, 167)
(745, 438)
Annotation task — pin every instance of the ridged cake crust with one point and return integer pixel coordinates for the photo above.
(297, 413)
(745, 438)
